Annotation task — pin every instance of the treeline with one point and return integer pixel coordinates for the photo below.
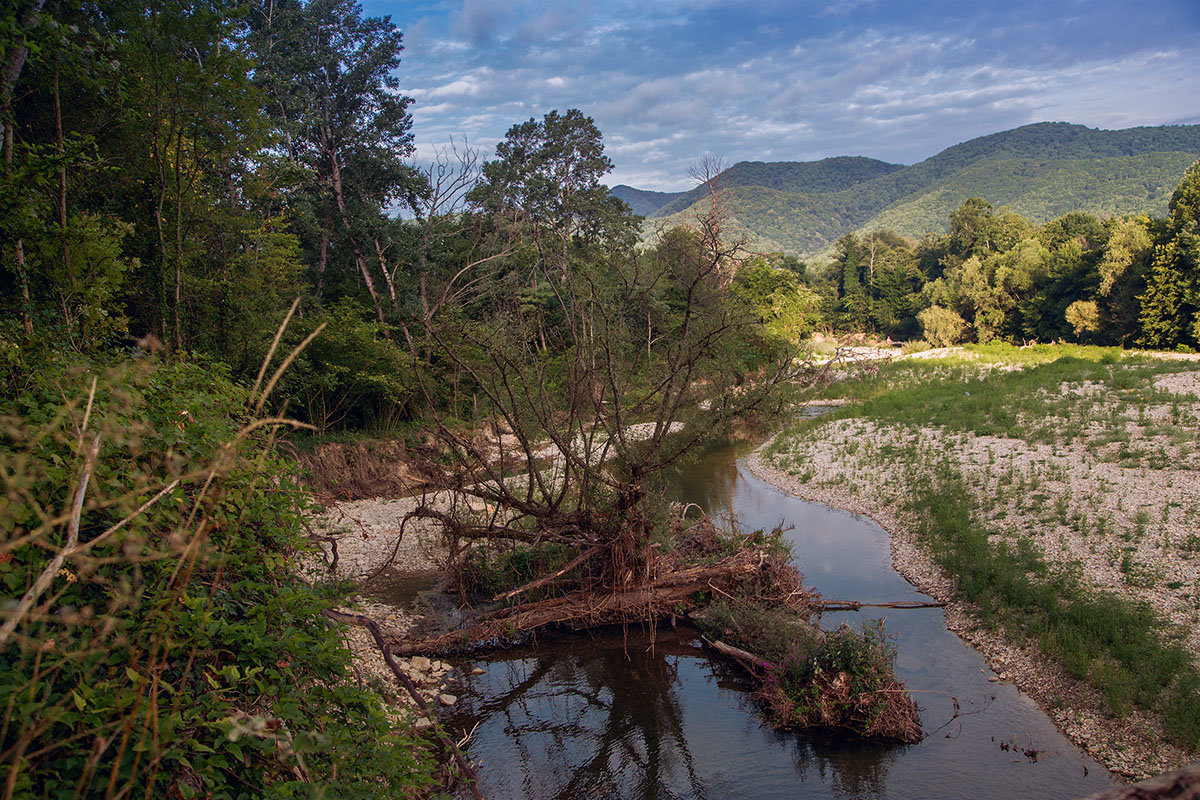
(177, 174)
(1129, 281)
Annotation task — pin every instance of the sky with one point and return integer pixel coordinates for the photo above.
(671, 81)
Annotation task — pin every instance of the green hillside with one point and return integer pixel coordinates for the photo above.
(794, 177)
(643, 201)
(1042, 171)
(1039, 191)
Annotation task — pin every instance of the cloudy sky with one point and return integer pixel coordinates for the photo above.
(669, 81)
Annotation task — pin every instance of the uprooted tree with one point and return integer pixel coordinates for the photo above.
(590, 366)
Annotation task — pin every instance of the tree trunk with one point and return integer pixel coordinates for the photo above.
(321, 259)
(658, 598)
(359, 258)
(12, 71)
(62, 180)
(387, 276)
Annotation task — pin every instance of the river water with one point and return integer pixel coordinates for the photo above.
(651, 714)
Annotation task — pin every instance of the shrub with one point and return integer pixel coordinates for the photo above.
(839, 680)
(169, 648)
(1084, 316)
(941, 326)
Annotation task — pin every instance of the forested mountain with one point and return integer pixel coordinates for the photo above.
(643, 201)
(1042, 171)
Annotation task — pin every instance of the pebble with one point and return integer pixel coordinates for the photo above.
(447, 699)
(478, 671)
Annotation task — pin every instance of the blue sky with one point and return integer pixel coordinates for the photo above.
(670, 81)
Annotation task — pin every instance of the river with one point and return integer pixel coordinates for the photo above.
(652, 714)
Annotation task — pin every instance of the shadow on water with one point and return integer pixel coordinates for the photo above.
(641, 714)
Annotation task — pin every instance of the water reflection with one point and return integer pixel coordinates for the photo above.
(632, 715)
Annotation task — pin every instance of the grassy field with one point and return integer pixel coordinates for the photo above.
(1059, 487)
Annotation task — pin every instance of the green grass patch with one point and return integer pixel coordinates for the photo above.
(1118, 645)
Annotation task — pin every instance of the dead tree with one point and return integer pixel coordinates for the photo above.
(574, 408)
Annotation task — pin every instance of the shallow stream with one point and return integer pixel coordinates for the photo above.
(655, 715)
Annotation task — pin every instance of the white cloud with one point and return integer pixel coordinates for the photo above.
(670, 80)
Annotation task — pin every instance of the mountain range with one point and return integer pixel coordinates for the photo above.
(1041, 171)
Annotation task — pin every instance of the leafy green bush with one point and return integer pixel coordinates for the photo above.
(167, 647)
(941, 326)
(351, 375)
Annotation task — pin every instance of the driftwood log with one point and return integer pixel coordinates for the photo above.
(1182, 784)
(745, 657)
(854, 605)
(658, 598)
(464, 766)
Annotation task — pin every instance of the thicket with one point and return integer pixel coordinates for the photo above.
(158, 642)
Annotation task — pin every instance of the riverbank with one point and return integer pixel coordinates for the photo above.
(366, 537)
(1113, 507)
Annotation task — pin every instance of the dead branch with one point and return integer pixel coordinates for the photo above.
(411, 688)
(854, 605)
(748, 659)
(52, 569)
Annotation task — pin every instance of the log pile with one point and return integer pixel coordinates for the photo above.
(671, 593)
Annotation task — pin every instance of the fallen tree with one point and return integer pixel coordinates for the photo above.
(672, 594)
(592, 367)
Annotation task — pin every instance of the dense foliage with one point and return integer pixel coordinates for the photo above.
(168, 649)
(995, 275)
(173, 178)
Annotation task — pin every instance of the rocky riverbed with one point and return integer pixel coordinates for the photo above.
(1147, 551)
(402, 594)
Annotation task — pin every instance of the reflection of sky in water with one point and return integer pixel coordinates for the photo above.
(610, 716)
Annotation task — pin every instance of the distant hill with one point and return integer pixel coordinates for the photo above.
(643, 201)
(1042, 171)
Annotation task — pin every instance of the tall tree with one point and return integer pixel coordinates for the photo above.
(1170, 313)
(854, 304)
(329, 75)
